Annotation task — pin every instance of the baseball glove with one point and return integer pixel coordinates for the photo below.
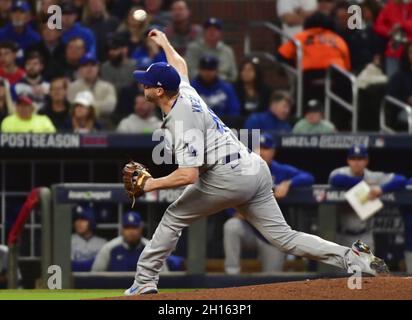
(135, 176)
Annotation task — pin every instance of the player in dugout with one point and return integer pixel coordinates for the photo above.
(350, 226)
(122, 253)
(238, 233)
(85, 244)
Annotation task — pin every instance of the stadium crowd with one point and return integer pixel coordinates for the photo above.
(80, 79)
(45, 72)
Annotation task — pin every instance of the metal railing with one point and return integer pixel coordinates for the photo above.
(399, 104)
(332, 96)
(295, 71)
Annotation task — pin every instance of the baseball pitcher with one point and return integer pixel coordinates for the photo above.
(219, 172)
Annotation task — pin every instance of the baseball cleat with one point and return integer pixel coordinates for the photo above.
(146, 289)
(362, 256)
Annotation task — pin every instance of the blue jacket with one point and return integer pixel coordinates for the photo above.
(82, 32)
(25, 39)
(345, 181)
(143, 60)
(125, 259)
(283, 172)
(267, 121)
(220, 97)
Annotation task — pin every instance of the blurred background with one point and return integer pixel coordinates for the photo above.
(328, 83)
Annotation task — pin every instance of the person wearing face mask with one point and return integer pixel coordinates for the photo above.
(18, 29)
(118, 69)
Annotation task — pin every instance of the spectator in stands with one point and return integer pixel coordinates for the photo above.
(212, 45)
(51, 48)
(363, 44)
(292, 14)
(143, 120)
(326, 6)
(394, 23)
(83, 114)
(147, 53)
(8, 67)
(85, 244)
(122, 253)
(181, 31)
(74, 52)
(250, 88)
(218, 94)
(121, 8)
(33, 83)
(97, 19)
(73, 29)
(118, 70)
(18, 29)
(103, 92)
(25, 120)
(6, 102)
(400, 84)
(238, 233)
(5, 10)
(126, 101)
(350, 226)
(156, 15)
(276, 116)
(322, 47)
(57, 107)
(313, 122)
(132, 30)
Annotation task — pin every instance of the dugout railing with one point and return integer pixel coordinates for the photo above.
(392, 102)
(295, 72)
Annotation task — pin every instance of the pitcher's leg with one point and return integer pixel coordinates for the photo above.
(271, 258)
(265, 215)
(233, 232)
(192, 204)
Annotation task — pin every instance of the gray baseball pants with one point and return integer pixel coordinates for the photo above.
(250, 191)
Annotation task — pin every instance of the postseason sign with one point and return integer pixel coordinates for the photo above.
(39, 141)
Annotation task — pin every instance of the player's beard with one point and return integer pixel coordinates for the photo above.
(149, 97)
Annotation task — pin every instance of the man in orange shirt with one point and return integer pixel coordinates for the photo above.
(321, 47)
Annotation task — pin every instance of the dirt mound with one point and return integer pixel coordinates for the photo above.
(387, 288)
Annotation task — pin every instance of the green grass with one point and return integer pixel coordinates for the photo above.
(65, 294)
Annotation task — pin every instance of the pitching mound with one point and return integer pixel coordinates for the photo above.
(387, 288)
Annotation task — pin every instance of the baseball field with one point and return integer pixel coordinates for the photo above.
(383, 288)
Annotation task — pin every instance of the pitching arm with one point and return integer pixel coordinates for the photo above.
(173, 58)
(178, 178)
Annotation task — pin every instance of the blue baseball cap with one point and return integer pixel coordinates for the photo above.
(267, 141)
(83, 212)
(88, 58)
(358, 151)
(159, 74)
(213, 22)
(20, 5)
(208, 63)
(132, 219)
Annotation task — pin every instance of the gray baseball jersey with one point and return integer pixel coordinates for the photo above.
(197, 136)
(244, 183)
(86, 249)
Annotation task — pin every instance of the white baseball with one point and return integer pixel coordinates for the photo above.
(140, 15)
